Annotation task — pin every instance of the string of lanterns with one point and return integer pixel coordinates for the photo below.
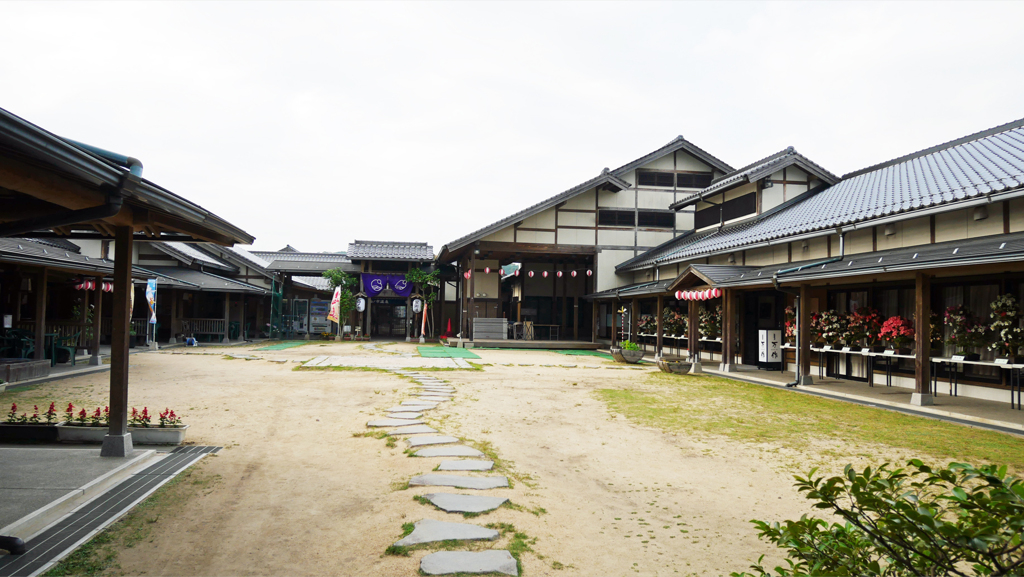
(90, 285)
(544, 274)
(698, 295)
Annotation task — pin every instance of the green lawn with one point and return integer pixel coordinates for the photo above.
(759, 414)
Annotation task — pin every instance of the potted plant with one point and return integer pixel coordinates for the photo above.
(830, 327)
(897, 332)
(26, 427)
(864, 325)
(673, 323)
(85, 427)
(711, 322)
(966, 333)
(937, 336)
(1006, 329)
(648, 325)
(629, 352)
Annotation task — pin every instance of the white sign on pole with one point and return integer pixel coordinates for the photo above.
(769, 346)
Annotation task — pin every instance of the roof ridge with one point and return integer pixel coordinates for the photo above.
(784, 152)
(403, 243)
(679, 140)
(931, 150)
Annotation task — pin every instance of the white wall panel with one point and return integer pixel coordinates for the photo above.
(615, 237)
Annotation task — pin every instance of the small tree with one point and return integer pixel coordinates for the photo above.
(347, 303)
(959, 520)
(429, 284)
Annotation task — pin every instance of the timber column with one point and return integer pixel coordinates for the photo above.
(118, 441)
(922, 345)
(728, 331)
(658, 343)
(693, 340)
(40, 321)
(634, 312)
(803, 336)
(472, 291)
(97, 322)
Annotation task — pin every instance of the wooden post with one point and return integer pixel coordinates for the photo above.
(565, 304)
(408, 318)
(227, 317)
(472, 291)
(693, 340)
(661, 308)
(594, 306)
(728, 330)
(615, 316)
(803, 335)
(97, 322)
(634, 312)
(118, 441)
(922, 346)
(40, 320)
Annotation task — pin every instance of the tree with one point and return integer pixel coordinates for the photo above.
(959, 520)
(429, 284)
(347, 302)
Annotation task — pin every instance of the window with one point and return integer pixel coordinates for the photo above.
(615, 217)
(648, 218)
(657, 219)
(693, 180)
(732, 209)
(655, 178)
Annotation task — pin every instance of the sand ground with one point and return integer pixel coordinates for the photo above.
(297, 494)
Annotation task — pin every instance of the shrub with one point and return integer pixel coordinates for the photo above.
(958, 520)
(629, 346)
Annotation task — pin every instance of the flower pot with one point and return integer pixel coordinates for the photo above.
(631, 356)
(140, 435)
(28, 432)
(969, 356)
(675, 367)
(878, 348)
(900, 351)
(1011, 360)
(617, 354)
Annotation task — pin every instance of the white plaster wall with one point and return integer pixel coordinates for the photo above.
(486, 285)
(90, 248)
(988, 226)
(686, 162)
(621, 199)
(684, 220)
(916, 231)
(663, 163)
(1017, 215)
(817, 248)
(890, 242)
(794, 190)
(654, 198)
(576, 236)
(576, 219)
(584, 200)
(607, 260)
(780, 253)
(795, 173)
(506, 234)
(651, 239)
(951, 226)
(669, 271)
(760, 256)
(545, 219)
(535, 236)
(719, 259)
(777, 175)
(740, 191)
(771, 197)
(858, 241)
(643, 276)
(615, 237)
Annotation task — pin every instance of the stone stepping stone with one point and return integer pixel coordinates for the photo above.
(450, 451)
(434, 400)
(433, 394)
(419, 403)
(449, 562)
(393, 423)
(464, 465)
(432, 440)
(413, 409)
(429, 531)
(407, 416)
(412, 430)
(453, 503)
(459, 482)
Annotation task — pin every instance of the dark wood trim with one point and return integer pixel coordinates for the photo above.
(557, 210)
(1006, 217)
(828, 243)
(789, 249)
(922, 310)
(572, 227)
(536, 248)
(586, 210)
(555, 230)
(931, 223)
(874, 239)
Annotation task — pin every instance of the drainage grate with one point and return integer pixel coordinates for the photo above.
(58, 540)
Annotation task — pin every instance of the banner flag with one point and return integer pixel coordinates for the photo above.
(335, 311)
(151, 299)
(402, 287)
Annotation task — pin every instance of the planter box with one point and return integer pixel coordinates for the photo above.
(28, 432)
(877, 348)
(631, 356)
(12, 370)
(675, 367)
(617, 354)
(140, 435)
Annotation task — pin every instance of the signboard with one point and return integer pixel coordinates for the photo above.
(958, 358)
(151, 299)
(890, 352)
(769, 346)
(8, 321)
(333, 314)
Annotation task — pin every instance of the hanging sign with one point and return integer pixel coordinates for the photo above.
(335, 311)
(151, 299)
(769, 346)
(399, 285)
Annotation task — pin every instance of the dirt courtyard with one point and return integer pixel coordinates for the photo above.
(294, 492)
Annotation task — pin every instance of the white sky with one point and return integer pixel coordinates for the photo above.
(316, 124)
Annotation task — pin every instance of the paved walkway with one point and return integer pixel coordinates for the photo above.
(429, 443)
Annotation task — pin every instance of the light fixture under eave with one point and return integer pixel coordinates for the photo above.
(890, 229)
(732, 258)
(980, 212)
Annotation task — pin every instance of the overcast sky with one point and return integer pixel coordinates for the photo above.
(316, 124)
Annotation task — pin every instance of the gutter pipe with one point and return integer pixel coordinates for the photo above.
(134, 165)
(796, 293)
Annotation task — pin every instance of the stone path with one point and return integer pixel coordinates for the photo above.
(431, 393)
(389, 362)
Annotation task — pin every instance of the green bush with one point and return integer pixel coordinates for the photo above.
(959, 520)
(629, 346)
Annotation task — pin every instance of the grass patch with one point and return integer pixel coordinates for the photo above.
(99, 554)
(362, 369)
(399, 486)
(501, 465)
(372, 434)
(760, 414)
(519, 544)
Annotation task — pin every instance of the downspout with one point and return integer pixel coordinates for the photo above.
(796, 292)
(134, 165)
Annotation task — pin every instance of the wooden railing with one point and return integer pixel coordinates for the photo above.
(62, 328)
(138, 324)
(202, 326)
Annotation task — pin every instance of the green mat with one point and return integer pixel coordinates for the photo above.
(446, 353)
(584, 353)
(282, 346)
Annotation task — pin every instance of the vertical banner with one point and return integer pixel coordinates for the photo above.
(151, 299)
(335, 311)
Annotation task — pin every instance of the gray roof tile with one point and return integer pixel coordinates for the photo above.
(382, 250)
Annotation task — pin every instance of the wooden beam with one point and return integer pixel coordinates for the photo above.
(97, 321)
(535, 248)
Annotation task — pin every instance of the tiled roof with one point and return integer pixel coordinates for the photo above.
(61, 243)
(25, 251)
(315, 282)
(633, 290)
(375, 250)
(188, 254)
(610, 177)
(717, 273)
(760, 169)
(206, 281)
(247, 256)
(988, 162)
(272, 257)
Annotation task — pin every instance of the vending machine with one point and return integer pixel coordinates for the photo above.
(300, 316)
(318, 310)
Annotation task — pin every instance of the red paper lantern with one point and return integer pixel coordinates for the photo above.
(108, 287)
(530, 273)
(559, 274)
(679, 295)
(716, 292)
(466, 274)
(516, 272)
(544, 274)
(573, 273)
(590, 272)
(487, 270)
